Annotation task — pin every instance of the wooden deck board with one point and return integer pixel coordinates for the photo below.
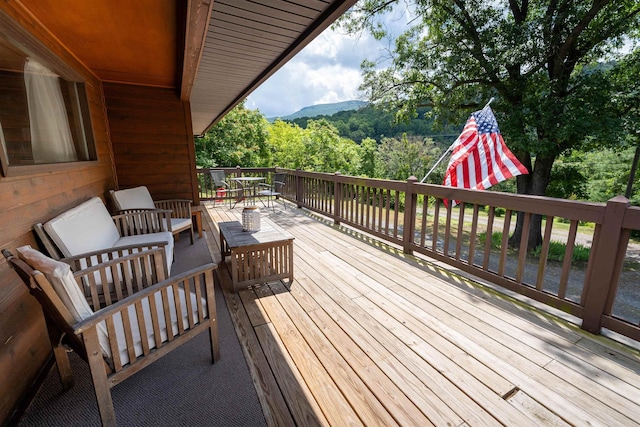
(366, 335)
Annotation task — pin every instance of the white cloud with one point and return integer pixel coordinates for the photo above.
(326, 71)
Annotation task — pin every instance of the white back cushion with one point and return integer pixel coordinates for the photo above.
(61, 278)
(133, 198)
(85, 228)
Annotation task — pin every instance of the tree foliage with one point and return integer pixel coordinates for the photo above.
(404, 157)
(239, 139)
(537, 58)
(377, 123)
(319, 147)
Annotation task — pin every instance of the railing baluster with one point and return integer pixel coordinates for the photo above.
(472, 236)
(396, 212)
(423, 228)
(568, 258)
(504, 247)
(460, 230)
(544, 253)
(436, 224)
(488, 238)
(524, 243)
(387, 210)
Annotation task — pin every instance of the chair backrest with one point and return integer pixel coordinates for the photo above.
(132, 198)
(279, 181)
(85, 228)
(219, 178)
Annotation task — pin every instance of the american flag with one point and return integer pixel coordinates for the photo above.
(480, 157)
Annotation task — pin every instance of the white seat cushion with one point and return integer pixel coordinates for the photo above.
(84, 228)
(133, 198)
(180, 223)
(135, 328)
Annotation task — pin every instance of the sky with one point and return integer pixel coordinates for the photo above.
(327, 70)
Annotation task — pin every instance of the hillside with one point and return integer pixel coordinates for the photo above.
(370, 122)
(323, 110)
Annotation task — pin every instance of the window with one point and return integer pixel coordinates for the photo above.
(44, 113)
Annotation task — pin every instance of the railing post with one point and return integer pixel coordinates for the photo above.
(337, 199)
(298, 188)
(599, 284)
(238, 171)
(410, 201)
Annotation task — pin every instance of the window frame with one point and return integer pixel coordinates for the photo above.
(28, 43)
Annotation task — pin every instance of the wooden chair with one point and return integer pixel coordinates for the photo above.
(119, 326)
(139, 198)
(89, 228)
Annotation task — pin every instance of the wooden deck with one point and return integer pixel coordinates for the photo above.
(368, 336)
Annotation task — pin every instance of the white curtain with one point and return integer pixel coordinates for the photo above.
(51, 140)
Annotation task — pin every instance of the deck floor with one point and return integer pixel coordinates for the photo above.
(366, 335)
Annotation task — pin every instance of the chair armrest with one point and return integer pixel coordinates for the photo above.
(142, 221)
(94, 258)
(180, 208)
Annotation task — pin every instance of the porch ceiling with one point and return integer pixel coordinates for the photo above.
(143, 43)
(248, 41)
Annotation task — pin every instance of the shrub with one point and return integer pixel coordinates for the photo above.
(557, 251)
(496, 239)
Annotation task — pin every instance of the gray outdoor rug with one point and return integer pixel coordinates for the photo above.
(182, 388)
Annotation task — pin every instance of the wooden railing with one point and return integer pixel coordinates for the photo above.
(603, 291)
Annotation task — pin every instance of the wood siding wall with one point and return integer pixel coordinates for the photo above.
(152, 140)
(26, 200)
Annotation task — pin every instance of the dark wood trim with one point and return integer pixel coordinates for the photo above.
(192, 153)
(198, 17)
(31, 170)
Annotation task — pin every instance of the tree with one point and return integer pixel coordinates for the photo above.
(404, 157)
(287, 144)
(537, 58)
(239, 139)
(368, 155)
(319, 147)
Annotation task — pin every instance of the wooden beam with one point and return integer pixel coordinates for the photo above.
(198, 16)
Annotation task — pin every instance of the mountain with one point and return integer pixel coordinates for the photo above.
(323, 110)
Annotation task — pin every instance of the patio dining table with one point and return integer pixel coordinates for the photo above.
(248, 184)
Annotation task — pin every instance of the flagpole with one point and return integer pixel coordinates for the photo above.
(448, 150)
(439, 160)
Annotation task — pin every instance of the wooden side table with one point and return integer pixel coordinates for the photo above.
(257, 257)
